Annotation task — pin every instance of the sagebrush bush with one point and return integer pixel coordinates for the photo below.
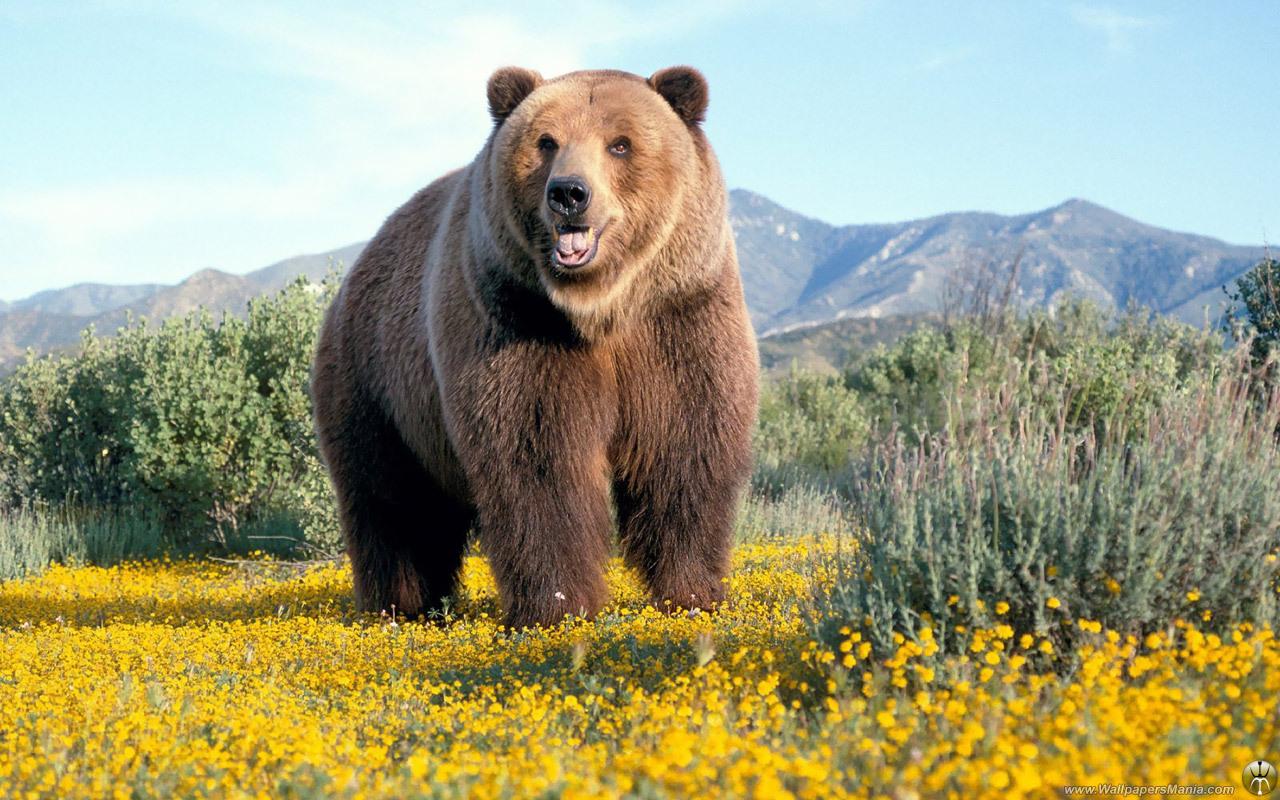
(1020, 517)
(33, 538)
(202, 424)
(793, 512)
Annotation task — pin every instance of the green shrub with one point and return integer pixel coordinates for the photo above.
(31, 539)
(1098, 359)
(1132, 523)
(904, 385)
(1254, 315)
(810, 427)
(796, 511)
(204, 425)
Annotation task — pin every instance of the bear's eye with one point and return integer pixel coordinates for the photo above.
(546, 143)
(620, 147)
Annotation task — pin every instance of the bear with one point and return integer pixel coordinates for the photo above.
(548, 347)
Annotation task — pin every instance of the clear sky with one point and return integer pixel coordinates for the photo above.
(141, 141)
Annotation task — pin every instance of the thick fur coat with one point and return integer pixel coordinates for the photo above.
(556, 325)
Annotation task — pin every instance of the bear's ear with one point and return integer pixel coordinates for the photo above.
(685, 89)
(507, 87)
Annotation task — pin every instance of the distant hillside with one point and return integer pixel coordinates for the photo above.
(42, 331)
(315, 267)
(52, 320)
(85, 299)
(827, 347)
(797, 271)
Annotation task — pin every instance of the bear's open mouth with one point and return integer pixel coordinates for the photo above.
(575, 245)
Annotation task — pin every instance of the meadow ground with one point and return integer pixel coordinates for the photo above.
(200, 678)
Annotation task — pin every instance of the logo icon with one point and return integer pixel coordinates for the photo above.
(1259, 778)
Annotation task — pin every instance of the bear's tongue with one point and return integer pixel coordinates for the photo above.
(571, 242)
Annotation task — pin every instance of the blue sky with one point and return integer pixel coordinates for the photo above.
(141, 141)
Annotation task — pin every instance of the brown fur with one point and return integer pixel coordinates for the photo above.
(462, 379)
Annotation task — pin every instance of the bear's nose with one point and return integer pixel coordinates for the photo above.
(569, 196)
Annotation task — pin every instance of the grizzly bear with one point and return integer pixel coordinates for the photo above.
(556, 326)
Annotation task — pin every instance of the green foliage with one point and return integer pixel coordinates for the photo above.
(1130, 521)
(1112, 370)
(810, 426)
(1255, 308)
(796, 511)
(31, 539)
(904, 384)
(204, 425)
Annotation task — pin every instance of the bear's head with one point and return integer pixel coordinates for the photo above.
(602, 176)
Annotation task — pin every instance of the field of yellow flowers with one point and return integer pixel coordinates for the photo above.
(206, 679)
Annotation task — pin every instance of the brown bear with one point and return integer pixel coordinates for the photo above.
(558, 323)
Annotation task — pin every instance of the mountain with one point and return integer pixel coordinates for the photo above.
(797, 272)
(315, 267)
(42, 331)
(84, 299)
(53, 319)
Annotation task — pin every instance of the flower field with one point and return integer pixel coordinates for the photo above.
(208, 679)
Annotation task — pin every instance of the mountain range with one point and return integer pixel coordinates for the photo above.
(797, 271)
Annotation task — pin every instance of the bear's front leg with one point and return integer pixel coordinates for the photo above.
(677, 497)
(531, 425)
(676, 529)
(683, 454)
